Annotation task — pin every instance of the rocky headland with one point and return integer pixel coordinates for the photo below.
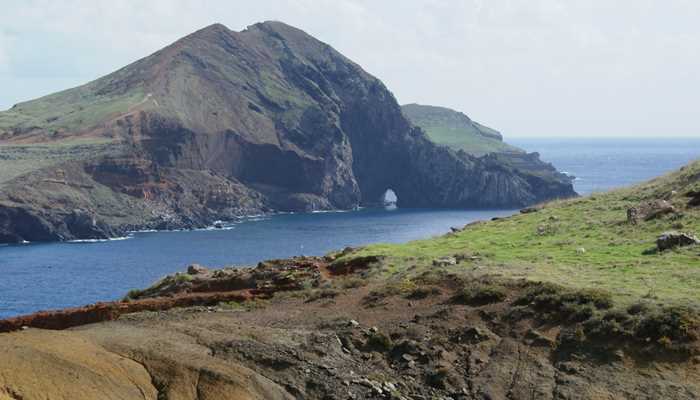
(222, 124)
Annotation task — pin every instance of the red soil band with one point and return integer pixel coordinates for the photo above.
(109, 311)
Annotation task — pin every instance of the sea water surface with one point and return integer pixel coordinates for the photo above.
(55, 275)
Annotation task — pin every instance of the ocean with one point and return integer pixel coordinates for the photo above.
(56, 275)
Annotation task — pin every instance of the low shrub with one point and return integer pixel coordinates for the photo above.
(133, 294)
(322, 294)
(481, 293)
(679, 324)
(182, 278)
(379, 342)
(422, 292)
(438, 377)
(353, 283)
(555, 301)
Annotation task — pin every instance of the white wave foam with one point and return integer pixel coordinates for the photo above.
(115, 239)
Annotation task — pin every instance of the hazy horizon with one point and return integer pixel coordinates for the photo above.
(528, 69)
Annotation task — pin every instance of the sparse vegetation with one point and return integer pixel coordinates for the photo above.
(378, 341)
(613, 260)
(481, 293)
(422, 292)
(16, 160)
(319, 294)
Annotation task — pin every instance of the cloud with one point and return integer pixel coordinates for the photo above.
(539, 67)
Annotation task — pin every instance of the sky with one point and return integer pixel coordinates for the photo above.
(525, 67)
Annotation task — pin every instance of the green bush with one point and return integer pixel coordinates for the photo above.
(182, 278)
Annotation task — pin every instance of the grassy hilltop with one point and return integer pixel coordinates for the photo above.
(584, 243)
(456, 130)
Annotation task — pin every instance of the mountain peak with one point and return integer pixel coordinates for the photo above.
(215, 27)
(209, 32)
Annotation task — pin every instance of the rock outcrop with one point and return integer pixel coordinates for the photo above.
(221, 124)
(673, 239)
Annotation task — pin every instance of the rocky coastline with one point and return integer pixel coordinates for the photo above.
(281, 122)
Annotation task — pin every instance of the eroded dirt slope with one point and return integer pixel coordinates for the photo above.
(308, 329)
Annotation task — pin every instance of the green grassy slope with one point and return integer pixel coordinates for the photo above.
(580, 243)
(17, 160)
(69, 110)
(454, 129)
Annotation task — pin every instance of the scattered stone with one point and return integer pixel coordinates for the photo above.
(528, 210)
(471, 335)
(568, 367)
(455, 230)
(673, 239)
(581, 250)
(466, 257)
(353, 323)
(632, 216)
(649, 211)
(619, 355)
(444, 261)
(196, 269)
(538, 339)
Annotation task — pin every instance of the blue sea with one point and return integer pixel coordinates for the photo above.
(56, 275)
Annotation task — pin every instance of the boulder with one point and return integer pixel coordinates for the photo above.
(633, 215)
(650, 210)
(196, 269)
(536, 338)
(673, 239)
(694, 198)
(444, 261)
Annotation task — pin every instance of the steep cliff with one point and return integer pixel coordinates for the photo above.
(224, 123)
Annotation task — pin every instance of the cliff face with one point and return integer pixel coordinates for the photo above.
(225, 123)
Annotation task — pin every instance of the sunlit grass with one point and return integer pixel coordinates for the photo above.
(579, 243)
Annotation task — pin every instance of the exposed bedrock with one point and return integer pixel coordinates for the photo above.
(222, 124)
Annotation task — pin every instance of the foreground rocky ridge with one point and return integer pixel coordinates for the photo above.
(222, 124)
(319, 328)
